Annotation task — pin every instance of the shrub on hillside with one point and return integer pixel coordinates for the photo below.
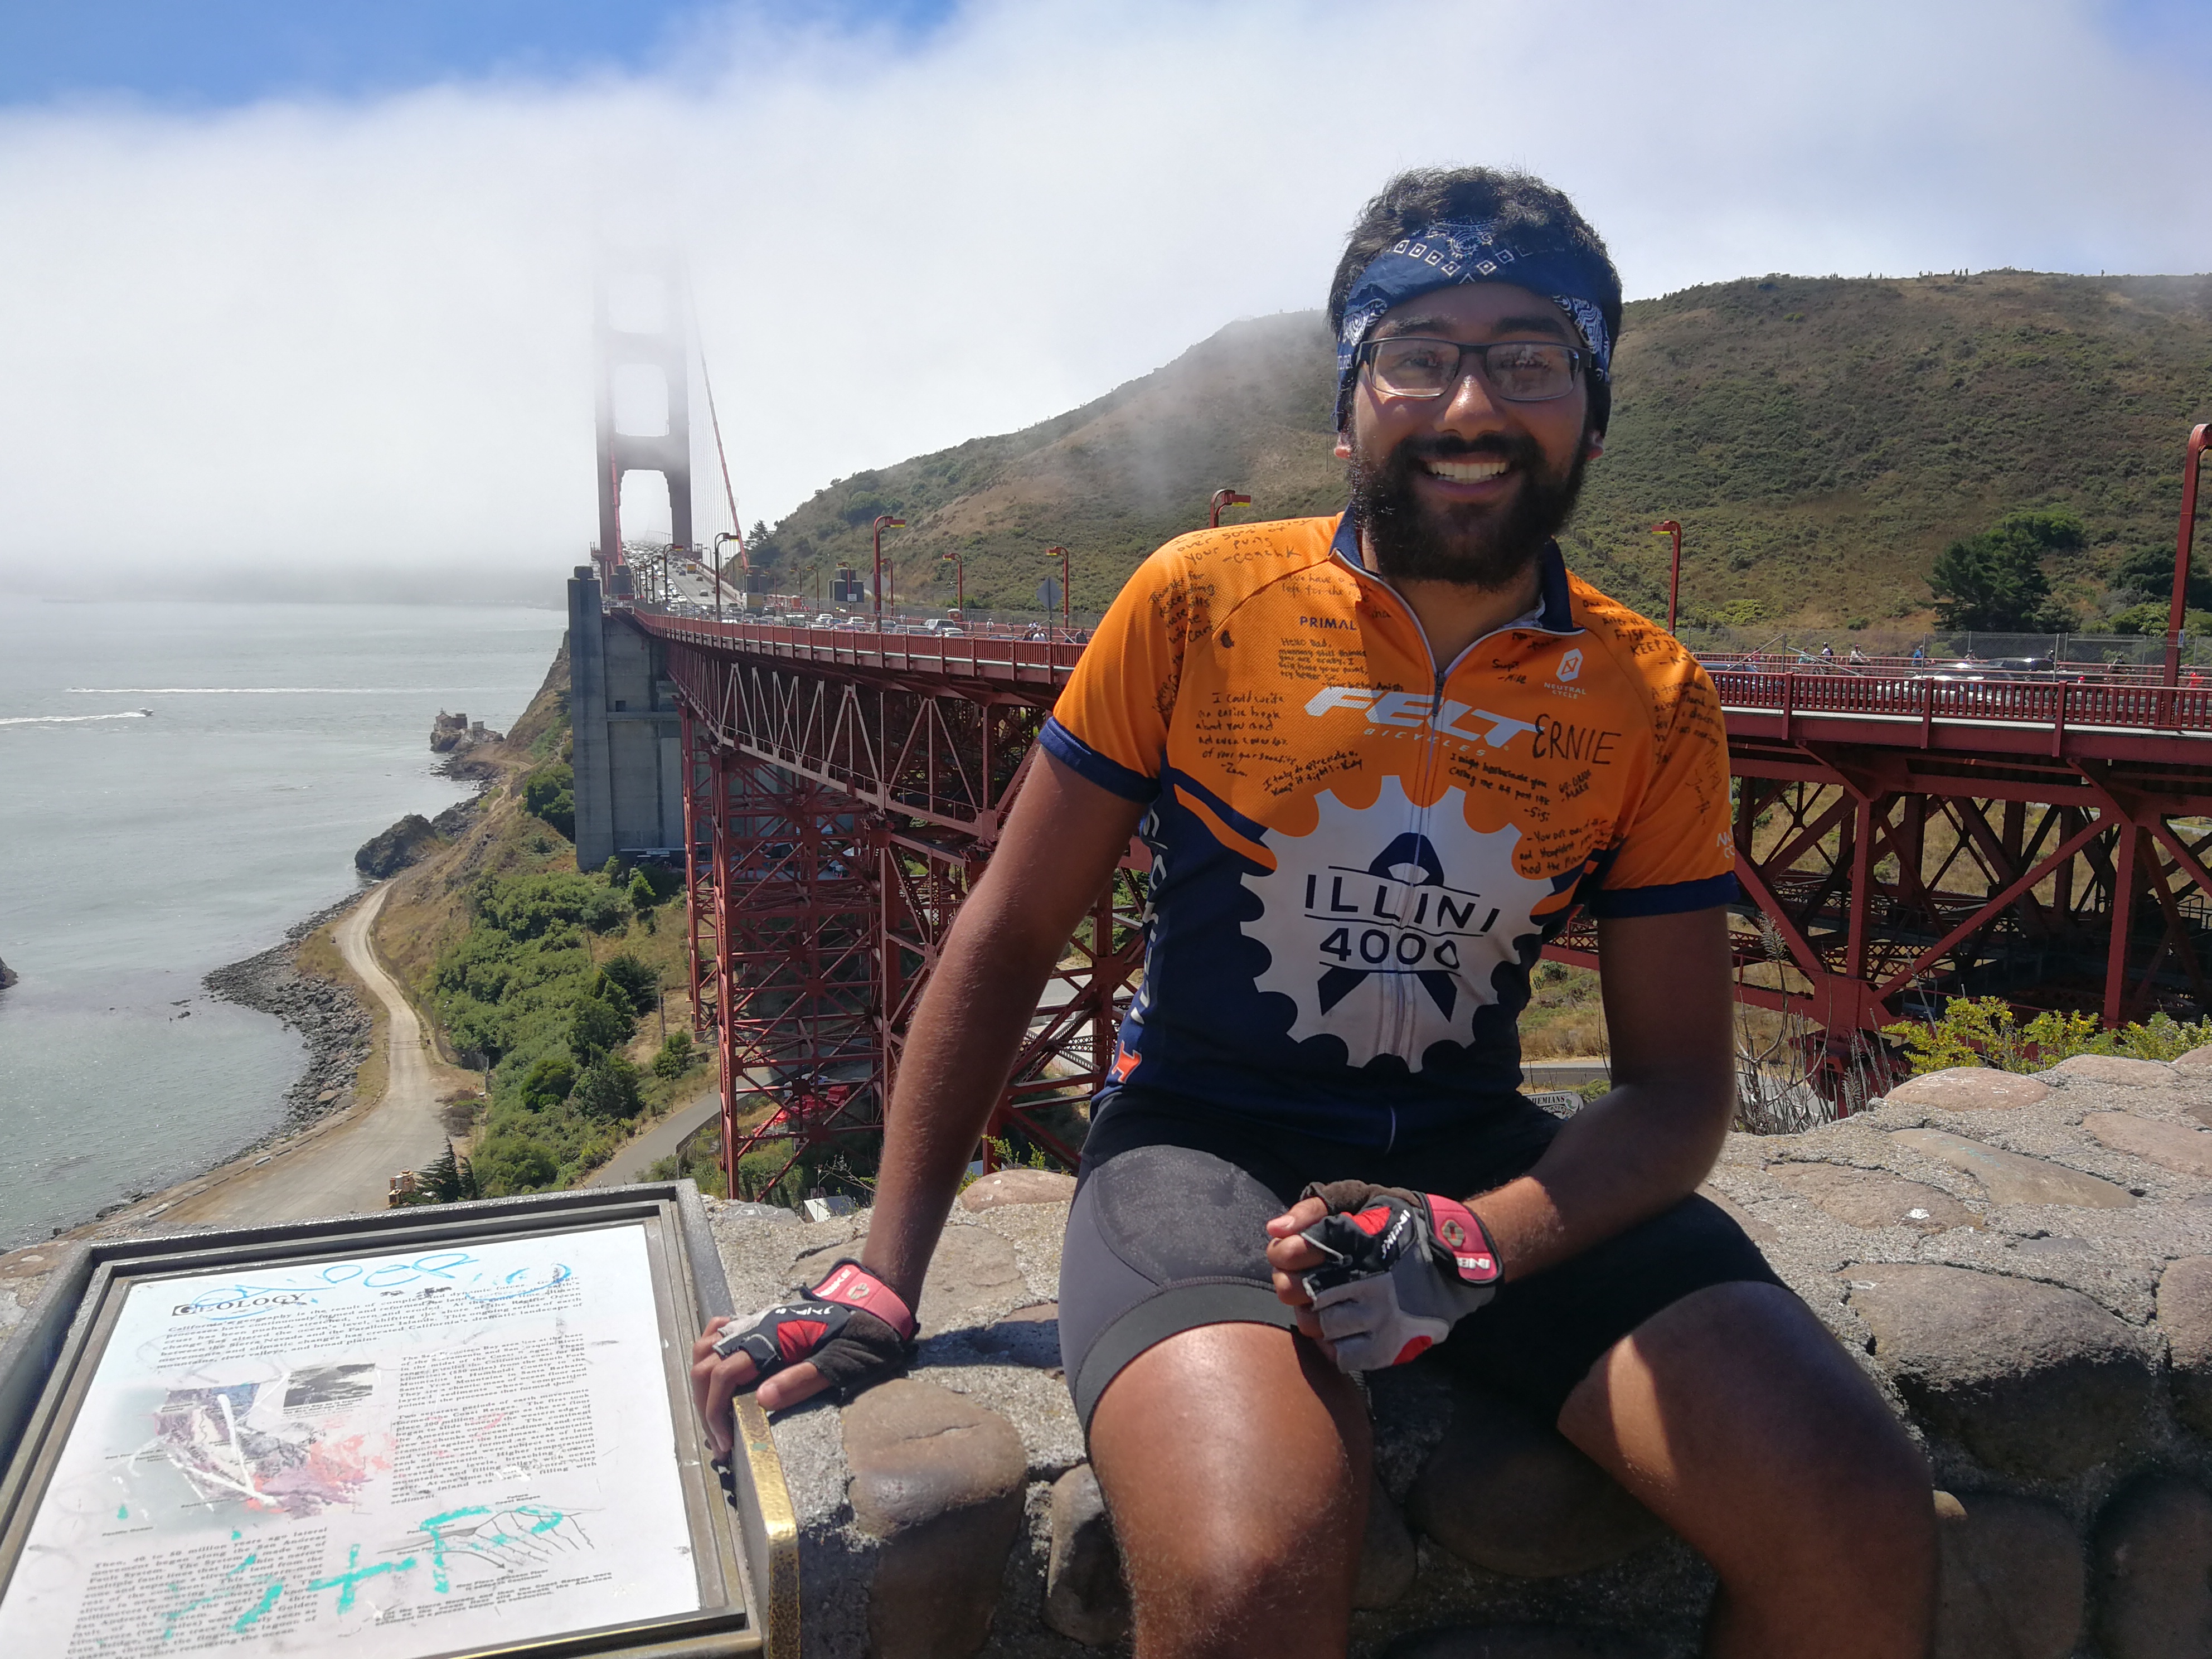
(641, 895)
(549, 794)
(677, 1055)
(508, 1163)
(640, 985)
(608, 1089)
(1995, 580)
(597, 1027)
(1983, 1031)
(549, 1081)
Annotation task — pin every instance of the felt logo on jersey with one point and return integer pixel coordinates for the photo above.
(1411, 710)
(1385, 924)
(1571, 665)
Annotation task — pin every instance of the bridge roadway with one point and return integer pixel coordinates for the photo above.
(1900, 835)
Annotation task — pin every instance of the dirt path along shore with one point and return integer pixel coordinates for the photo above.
(346, 1169)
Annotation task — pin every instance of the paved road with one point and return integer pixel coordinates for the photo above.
(346, 1169)
(658, 1142)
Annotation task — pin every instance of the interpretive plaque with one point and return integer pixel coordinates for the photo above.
(434, 1432)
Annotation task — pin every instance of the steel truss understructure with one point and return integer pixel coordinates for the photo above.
(1896, 842)
(838, 814)
(1894, 875)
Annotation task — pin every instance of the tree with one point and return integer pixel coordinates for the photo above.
(2149, 571)
(675, 1056)
(548, 1082)
(640, 985)
(596, 1027)
(508, 1163)
(641, 895)
(447, 1179)
(1995, 580)
(608, 1089)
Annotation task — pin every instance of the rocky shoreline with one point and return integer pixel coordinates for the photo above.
(335, 1022)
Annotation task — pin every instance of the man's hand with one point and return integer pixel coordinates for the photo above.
(848, 1330)
(1379, 1274)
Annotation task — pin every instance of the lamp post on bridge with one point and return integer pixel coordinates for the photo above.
(2178, 613)
(1666, 526)
(1064, 597)
(725, 535)
(1223, 498)
(884, 522)
(959, 585)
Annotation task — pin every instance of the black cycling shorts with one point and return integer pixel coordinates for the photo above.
(1168, 1233)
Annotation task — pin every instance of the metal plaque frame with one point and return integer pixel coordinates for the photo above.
(744, 1542)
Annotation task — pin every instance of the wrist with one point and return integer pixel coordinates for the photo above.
(1462, 1235)
(855, 1285)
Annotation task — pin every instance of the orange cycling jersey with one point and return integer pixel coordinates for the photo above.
(1358, 855)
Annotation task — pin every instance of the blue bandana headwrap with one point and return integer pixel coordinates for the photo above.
(1449, 253)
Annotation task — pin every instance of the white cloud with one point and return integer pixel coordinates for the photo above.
(347, 336)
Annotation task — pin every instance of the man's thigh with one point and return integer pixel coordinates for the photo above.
(1164, 1237)
(1738, 1418)
(1542, 1336)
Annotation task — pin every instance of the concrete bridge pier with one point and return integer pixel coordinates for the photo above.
(629, 743)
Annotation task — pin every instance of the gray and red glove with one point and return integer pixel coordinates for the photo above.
(852, 1326)
(1403, 1267)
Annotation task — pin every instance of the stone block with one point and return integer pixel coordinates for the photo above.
(2011, 1178)
(2013, 1582)
(1017, 1186)
(937, 1481)
(1085, 1597)
(973, 1272)
(2114, 1068)
(1967, 1089)
(1518, 1641)
(2033, 1380)
(2195, 1057)
(2153, 1553)
(2171, 1146)
(1504, 1491)
(1757, 1231)
(2184, 1313)
(1388, 1559)
(1872, 1198)
(1027, 1336)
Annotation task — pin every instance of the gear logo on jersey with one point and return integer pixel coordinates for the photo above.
(1385, 924)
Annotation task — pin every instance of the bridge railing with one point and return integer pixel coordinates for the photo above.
(2048, 700)
(1003, 656)
(2055, 703)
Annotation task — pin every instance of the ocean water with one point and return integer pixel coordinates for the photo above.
(178, 785)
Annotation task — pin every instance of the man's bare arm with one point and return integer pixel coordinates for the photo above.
(1059, 845)
(1639, 1148)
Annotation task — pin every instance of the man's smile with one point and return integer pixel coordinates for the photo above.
(1471, 472)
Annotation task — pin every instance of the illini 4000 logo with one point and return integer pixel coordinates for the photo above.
(1385, 924)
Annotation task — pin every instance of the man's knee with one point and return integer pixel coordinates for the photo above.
(1251, 1550)
(1234, 1462)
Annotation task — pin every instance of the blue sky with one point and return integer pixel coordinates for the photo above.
(211, 53)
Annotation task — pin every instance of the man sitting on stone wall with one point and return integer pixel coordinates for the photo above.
(1378, 759)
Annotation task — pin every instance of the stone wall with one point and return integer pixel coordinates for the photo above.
(2023, 1264)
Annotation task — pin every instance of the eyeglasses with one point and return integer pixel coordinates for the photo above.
(1519, 371)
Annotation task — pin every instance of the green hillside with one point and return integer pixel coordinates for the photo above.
(1821, 440)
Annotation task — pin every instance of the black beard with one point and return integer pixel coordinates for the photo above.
(1467, 544)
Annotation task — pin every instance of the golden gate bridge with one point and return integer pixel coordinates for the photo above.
(1902, 834)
